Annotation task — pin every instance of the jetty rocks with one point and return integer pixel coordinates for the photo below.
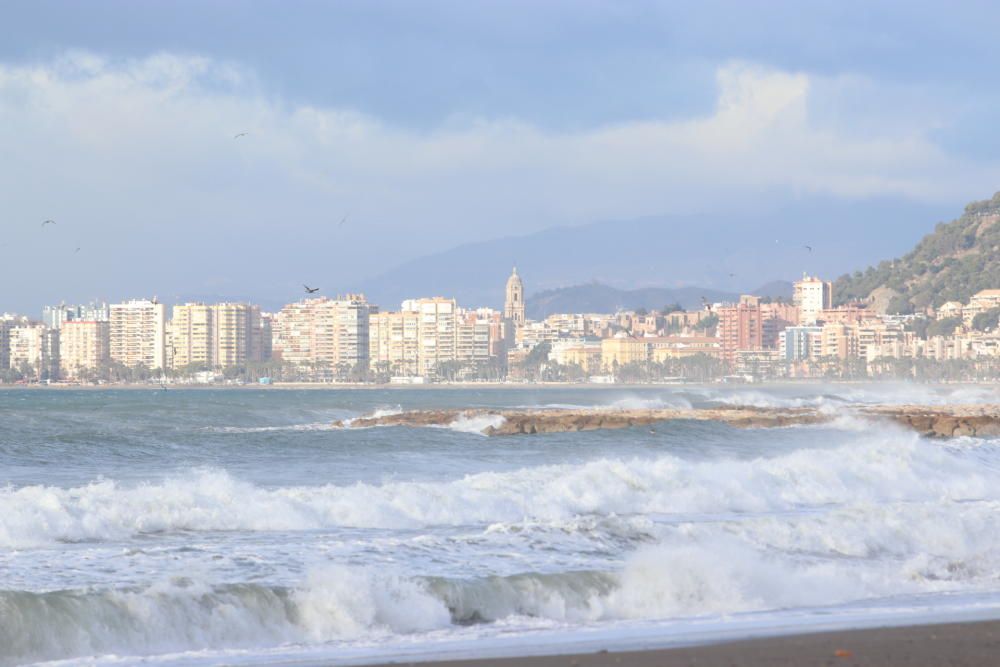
(937, 421)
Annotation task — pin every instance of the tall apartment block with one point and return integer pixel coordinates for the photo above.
(812, 296)
(84, 346)
(138, 333)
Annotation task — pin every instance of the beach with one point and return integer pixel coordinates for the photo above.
(952, 644)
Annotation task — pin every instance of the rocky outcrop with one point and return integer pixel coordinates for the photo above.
(520, 422)
(943, 421)
(937, 421)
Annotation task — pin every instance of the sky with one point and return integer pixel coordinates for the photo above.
(377, 132)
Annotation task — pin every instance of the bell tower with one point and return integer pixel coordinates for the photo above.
(513, 307)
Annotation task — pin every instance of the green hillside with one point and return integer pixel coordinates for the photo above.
(952, 263)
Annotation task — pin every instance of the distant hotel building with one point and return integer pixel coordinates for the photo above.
(328, 335)
(428, 333)
(83, 347)
(54, 316)
(750, 326)
(34, 347)
(221, 335)
(812, 296)
(138, 334)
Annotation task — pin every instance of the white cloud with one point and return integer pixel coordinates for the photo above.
(142, 152)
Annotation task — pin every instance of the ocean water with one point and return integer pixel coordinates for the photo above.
(203, 526)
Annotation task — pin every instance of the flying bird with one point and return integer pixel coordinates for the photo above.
(48, 222)
(732, 275)
(77, 250)
(310, 290)
(241, 134)
(808, 247)
(343, 220)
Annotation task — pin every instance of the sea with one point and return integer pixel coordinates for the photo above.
(239, 526)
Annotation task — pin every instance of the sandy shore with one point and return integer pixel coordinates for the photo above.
(954, 644)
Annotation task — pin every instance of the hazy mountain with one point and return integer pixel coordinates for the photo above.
(598, 298)
(726, 252)
(951, 263)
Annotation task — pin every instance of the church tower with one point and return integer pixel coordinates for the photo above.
(513, 307)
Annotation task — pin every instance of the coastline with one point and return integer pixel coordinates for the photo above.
(586, 386)
(963, 644)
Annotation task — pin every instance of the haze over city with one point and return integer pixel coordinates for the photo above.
(474, 123)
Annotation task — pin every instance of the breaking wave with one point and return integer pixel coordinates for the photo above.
(878, 466)
(681, 577)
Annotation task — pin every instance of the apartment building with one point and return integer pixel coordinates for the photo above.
(800, 342)
(138, 330)
(329, 335)
(220, 335)
(578, 352)
(54, 316)
(394, 342)
(438, 332)
(190, 337)
(34, 346)
(812, 296)
(84, 346)
(666, 348)
(622, 349)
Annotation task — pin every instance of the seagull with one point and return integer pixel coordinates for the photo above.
(48, 222)
(343, 220)
(241, 134)
(77, 250)
(808, 247)
(310, 290)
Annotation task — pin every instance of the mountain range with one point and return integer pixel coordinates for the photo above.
(684, 257)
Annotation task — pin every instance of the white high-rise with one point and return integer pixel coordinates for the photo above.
(812, 296)
(138, 333)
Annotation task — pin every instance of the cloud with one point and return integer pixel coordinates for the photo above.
(141, 153)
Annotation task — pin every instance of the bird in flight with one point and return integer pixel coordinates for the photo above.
(241, 134)
(310, 290)
(77, 250)
(48, 222)
(808, 247)
(343, 220)
(732, 275)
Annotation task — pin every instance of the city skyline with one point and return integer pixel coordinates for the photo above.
(432, 339)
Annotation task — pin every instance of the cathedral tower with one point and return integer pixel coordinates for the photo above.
(513, 307)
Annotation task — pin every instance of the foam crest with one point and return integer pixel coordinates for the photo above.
(476, 424)
(654, 403)
(878, 466)
(334, 603)
(690, 572)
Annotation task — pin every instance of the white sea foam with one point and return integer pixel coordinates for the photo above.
(879, 466)
(687, 575)
(476, 424)
(840, 394)
(333, 603)
(669, 401)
